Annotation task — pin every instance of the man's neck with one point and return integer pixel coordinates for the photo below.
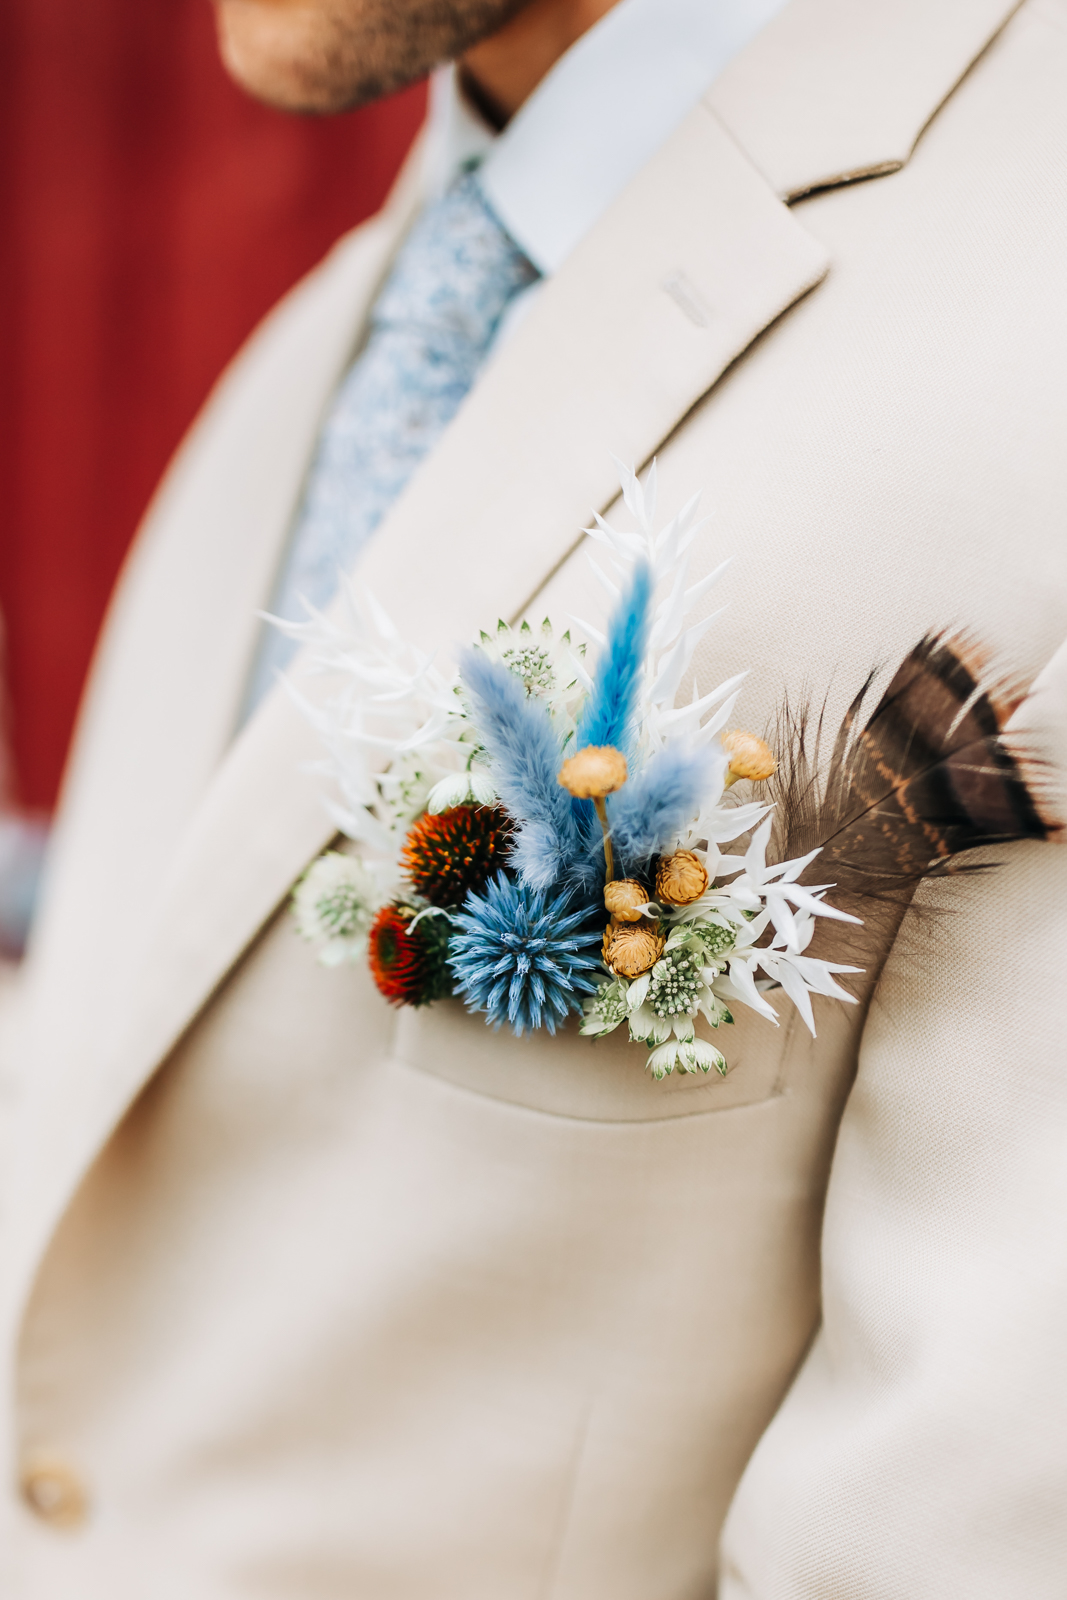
(499, 73)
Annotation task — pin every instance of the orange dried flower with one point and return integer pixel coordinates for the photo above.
(680, 878)
(594, 772)
(624, 899)
(631, 948)
(750, 757)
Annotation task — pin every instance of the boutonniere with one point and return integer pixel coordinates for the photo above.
(541, 833)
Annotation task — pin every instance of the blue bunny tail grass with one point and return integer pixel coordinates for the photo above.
(525, 758)
(541, 865)
(608, 717)
(591, 834)
(523, 957)
(647, 815)
(536, 855)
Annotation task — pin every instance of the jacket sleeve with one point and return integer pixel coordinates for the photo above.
(921, 1453)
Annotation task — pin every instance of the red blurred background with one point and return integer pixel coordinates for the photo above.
(152, 214)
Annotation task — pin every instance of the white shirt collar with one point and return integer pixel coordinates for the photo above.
(594, 120)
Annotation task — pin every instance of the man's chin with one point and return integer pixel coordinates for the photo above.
(283, 53)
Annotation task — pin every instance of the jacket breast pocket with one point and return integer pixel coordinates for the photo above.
(601, 1080)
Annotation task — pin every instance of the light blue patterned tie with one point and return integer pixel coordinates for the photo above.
(430, 331)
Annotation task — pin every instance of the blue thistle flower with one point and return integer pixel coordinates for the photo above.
(521, 957)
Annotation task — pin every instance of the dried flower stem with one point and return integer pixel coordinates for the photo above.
(609, 857)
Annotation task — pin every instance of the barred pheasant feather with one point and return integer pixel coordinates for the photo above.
(927, 777)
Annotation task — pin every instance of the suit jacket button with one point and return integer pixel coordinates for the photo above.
(53, 1491)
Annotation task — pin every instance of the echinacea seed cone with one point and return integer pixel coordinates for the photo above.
(449, 854)
(408, 958)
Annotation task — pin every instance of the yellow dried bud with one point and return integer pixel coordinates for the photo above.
(749, 756)
(624, 899)
(631, 948)
(592, 773)
(680, 878)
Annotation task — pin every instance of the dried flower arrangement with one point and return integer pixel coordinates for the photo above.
(545, 840)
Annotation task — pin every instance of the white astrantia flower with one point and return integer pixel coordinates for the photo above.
(606, 1009)
(334, 904)
(550, 665)
(686, 1055)
(473, 787)
(404, 789)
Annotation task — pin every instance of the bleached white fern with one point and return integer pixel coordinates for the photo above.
(392, 727)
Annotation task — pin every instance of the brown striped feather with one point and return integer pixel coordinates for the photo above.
(906, 793)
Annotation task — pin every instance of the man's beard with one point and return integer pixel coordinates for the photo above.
(335, 55)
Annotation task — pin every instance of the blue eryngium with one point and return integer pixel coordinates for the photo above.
(523, 957)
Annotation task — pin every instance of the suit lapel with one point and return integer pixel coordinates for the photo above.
(838, 90)
(694, 261)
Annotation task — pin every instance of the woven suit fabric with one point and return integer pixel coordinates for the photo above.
(429, 333)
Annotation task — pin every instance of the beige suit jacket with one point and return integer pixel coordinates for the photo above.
(304, 1298)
